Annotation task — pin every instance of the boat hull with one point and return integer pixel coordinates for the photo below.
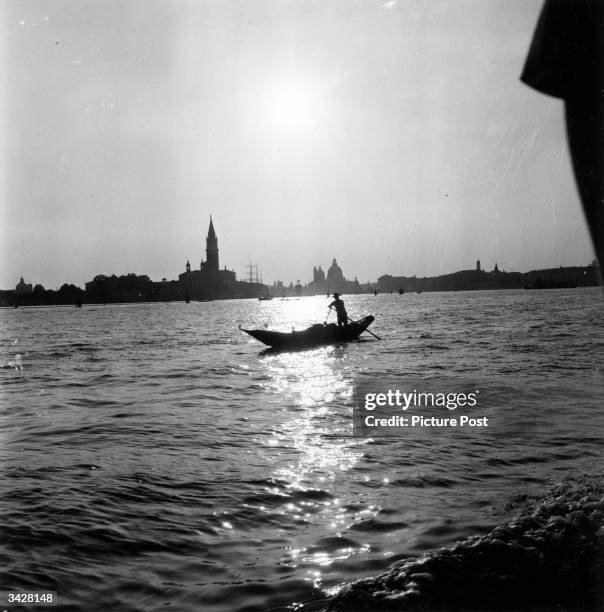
(316, 335)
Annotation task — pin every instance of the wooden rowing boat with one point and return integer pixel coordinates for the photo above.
(315, 335)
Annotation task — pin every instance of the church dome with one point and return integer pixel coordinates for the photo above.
(335, 277)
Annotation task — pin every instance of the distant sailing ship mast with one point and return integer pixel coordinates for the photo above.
(252, 275)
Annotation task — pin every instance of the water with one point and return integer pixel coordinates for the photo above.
(152, 458)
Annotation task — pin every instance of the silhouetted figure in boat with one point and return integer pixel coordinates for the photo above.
(338, 304)
(565, 61)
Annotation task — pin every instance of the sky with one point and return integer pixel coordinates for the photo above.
(394, 135)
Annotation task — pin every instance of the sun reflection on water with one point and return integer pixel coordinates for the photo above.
(315, 390)
(314, 446)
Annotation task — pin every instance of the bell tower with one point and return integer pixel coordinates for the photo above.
(212, 249)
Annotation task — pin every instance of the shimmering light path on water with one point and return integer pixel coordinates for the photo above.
(152, 457)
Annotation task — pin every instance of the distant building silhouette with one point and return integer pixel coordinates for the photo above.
(209, 282)
(223, 284)
(126, 288)
(23, 288)
(333, 282)
(206, 283)
(211, 264)
(479, 279)
(335, 277)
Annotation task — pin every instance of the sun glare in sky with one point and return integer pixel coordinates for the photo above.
(292, 107)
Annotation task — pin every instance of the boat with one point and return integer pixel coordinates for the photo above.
(316, 335)
(264, 298)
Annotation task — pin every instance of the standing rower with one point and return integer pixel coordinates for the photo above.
(338, 304)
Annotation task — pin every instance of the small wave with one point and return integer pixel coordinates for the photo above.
(436, 347)
(278, 495)
(423, 481)
(548, 557)
(374, 524)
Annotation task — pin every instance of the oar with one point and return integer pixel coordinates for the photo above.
(369, 332)
(328, 313)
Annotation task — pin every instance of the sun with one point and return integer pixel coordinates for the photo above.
(293, 107)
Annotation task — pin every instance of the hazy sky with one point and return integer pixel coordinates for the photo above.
(394, 135)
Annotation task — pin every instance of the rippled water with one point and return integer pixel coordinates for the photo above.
(153, 458)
